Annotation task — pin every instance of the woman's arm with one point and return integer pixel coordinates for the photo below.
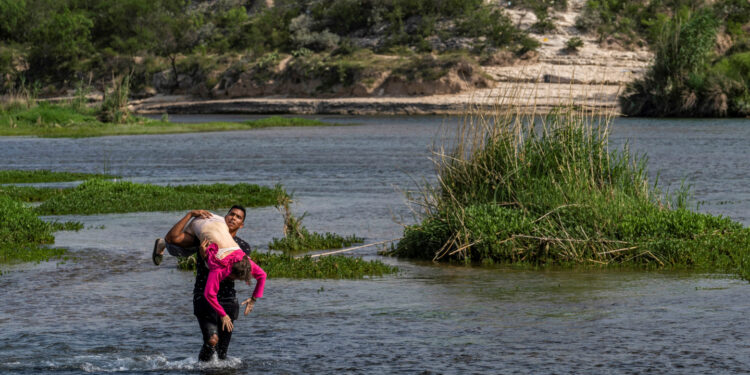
(212, 288)
(260, 282)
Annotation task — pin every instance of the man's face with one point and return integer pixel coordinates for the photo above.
(234, 219)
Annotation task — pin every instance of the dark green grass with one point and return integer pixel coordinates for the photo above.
(327, 267)
(100, 196)
(52, 120)
(549, 191)
(313, 241)
(22, 234)
(30, 194)
(44, 175)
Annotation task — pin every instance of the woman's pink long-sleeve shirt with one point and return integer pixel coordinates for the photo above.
(219, 269)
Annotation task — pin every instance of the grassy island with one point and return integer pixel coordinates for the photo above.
(14, 176)
(101, 196)
(548, 190)
(22, 233)
(72, 121)
(327, 267)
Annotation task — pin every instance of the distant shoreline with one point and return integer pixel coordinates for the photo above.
(532, 97)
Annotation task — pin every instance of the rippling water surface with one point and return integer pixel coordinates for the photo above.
(111, 310)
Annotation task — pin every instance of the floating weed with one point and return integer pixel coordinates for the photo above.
(67, 225)
(45, 175)
(22, 233)
(298, 239)
(329, 267)
(307, 241)
(62, 120)
(30, 194)
(100, 196)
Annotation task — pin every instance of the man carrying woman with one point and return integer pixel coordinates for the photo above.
(184, 239)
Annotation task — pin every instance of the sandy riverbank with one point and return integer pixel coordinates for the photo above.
(525, 96)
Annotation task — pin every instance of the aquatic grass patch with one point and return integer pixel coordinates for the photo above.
(66, 120)
(329, 267)
(102, 196)
(548, 190)
(16, 176)
(298, 239)
(30, 194)
(307, 241)
(279, 121)
(22, 234)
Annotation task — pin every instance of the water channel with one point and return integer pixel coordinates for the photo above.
(112, 310)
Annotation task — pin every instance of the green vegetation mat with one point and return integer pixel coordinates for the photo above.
(327, 267)
(65, 120)
(313, 241)
(22, 233)
(43, 175)
(29, 193)
(549, 190)
(101, 196)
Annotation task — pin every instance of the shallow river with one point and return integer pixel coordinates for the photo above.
(113, 311)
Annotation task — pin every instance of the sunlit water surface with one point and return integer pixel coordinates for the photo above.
(111, 310)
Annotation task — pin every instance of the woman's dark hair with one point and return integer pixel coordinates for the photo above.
(238, 207)
(242, 270)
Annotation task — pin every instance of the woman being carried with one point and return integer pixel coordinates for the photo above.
(224, 259)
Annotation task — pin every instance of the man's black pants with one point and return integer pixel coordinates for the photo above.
(210, 324)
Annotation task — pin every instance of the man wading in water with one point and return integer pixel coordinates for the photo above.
(180, 243)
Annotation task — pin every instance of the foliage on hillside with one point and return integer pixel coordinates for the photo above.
(62, 42)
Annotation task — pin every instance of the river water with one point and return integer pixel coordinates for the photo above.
(111, 310)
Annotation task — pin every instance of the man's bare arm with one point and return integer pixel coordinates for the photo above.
(177, 235)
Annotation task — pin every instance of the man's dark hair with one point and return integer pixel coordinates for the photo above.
(238, 207)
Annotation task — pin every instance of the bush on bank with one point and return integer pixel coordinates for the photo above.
(548, 190)
(689, 78)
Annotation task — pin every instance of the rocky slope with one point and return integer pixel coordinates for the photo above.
(592, 76)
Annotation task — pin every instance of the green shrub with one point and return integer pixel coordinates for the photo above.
(60, 41)
(574, 44)
(680, 82)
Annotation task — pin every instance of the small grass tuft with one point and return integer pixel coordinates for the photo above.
(298, 239)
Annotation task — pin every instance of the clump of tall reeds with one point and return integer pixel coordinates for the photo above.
(115, 102)
(297, 238)
(547, 189)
